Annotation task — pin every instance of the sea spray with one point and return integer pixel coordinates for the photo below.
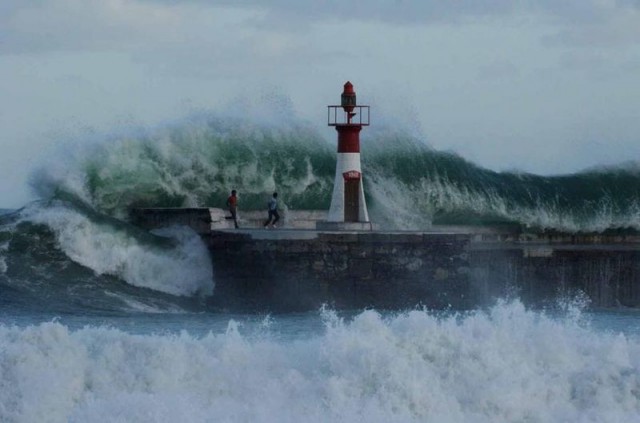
(501, 365)
(184, 269)
(441, 187)
(3, 263)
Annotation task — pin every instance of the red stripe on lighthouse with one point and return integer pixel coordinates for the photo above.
(348, 138)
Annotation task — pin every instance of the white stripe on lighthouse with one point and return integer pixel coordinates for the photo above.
(346, 162)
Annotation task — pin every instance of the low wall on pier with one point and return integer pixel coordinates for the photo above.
(294, 268)
(205, 219)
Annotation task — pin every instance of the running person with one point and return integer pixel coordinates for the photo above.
(232, 203)
(272, 208)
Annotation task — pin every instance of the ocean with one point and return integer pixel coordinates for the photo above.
(101, 321)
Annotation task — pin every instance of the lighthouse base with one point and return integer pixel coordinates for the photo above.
(344, 226)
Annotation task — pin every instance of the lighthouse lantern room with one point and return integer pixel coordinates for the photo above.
(348, 206)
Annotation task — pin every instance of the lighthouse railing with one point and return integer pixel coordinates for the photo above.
(336, 115)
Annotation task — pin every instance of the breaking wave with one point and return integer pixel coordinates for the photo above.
(408, 184)
(58, 253)
(506, 364)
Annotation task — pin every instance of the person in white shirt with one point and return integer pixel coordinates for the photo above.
(272, 208)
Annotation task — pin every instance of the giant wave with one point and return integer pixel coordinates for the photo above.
(408, 184)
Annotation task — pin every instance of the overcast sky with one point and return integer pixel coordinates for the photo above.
(548, 86)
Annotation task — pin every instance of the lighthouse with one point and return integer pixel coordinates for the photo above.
(348, 205)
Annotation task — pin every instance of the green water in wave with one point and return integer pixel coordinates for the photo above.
(408, 185)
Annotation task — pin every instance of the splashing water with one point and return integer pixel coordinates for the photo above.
(503, 365)
(180, 267)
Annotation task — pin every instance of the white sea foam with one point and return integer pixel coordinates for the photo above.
(506, 365)
(183, 270)
(3, 250)
(136, 306)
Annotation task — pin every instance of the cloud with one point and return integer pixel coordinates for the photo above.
(574, 12)
(189, 39)
(72, 25)
(498, 71)
(35, 26)
(616, 25)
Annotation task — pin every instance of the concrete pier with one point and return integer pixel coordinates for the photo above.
(297, 268)
(303, 269)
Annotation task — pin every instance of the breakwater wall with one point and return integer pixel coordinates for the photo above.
(297, 268)
(301, 270)
(543, 267)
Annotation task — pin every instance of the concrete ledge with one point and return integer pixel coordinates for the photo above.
(344, 226)
(291, 219)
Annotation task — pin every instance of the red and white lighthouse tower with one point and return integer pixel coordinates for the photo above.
(348, 206)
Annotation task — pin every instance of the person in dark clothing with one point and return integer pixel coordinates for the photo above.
(232, 203)
(272, 208)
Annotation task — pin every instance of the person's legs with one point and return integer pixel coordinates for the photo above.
(268, 220)
(277, 217)
(234, 216)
